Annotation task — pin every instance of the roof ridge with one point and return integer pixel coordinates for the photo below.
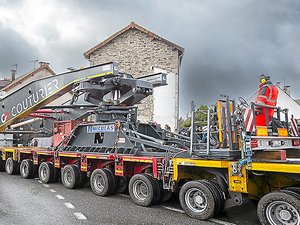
(25, 75)
(132, 25)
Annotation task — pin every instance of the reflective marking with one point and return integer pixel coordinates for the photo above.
(212, 220)
(60, 197)
(221, 222)
(52, 190)
(173, 209)
(80, 216)
(69, 205)
(40, 181)
(46, 185)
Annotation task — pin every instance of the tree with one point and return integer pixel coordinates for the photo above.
(200, 118)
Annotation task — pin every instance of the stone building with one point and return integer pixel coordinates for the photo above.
(141, 52)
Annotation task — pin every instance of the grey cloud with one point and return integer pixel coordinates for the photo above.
(14, 50)
(228, 44)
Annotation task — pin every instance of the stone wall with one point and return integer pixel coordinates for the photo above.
(138, 53)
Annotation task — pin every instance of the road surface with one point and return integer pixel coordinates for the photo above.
(30, 202)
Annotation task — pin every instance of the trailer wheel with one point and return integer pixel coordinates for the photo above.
(70, 176)
(57, 175)
(83, 179)
(290, 192)
(12, 167)
(27, 169)
(157, 189)
(122, 184)
(218, 194)
(293, 189)
(46, 172)
(102, 182)
(279, 208)
(2, 165)
(166, 195)
(142, 190)
(197, 200)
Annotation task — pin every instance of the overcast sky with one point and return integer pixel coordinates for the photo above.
(228, 44)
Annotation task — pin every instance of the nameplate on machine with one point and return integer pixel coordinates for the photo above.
(101, 128)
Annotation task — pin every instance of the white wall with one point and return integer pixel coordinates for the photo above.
(165, 101)
(285, 101)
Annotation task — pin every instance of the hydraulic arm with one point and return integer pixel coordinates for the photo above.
(39, 93)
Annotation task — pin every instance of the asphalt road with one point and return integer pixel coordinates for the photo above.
(25, 202)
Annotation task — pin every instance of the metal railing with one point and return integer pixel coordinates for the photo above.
(196, 136)
(277, 112)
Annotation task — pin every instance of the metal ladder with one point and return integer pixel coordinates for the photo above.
(196, 144)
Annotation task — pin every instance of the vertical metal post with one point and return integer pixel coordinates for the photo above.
(192, 132)
(224, 128)
(286, 118)
(193, 108)
(278, 113)
(234, 126)
(229, 122)
(208, 133)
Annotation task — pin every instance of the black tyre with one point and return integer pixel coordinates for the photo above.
(122, 184)
(57, 174)
(165, 194)
(279, 208)
(293, 189)
(142, 190)
(46, 172)
(197, 200)
(114, 180)
(2, 165)
(70, 176)
(12, 167)
(290, 192)
(27, 169)
(83, 179)
(157, 189)
(102, 182)
(219, 195)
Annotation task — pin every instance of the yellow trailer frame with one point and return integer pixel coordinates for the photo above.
(236, 183)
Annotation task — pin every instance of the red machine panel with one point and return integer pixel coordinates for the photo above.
(63, 129)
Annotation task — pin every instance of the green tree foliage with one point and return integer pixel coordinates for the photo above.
(200, 117)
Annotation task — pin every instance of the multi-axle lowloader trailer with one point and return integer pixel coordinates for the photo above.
(224, 165)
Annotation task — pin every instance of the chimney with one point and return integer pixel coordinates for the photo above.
(287, 89)
(43, 63)
(13, 75)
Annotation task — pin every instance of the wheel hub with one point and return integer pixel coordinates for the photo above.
(140, 190)
(195, 200)
(44, 173)
(285, 214)
(99, 181)
(25, 169)
(69, 177)
(199, 200)
(280, 212)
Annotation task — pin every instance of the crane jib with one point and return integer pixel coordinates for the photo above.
(40, 92)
